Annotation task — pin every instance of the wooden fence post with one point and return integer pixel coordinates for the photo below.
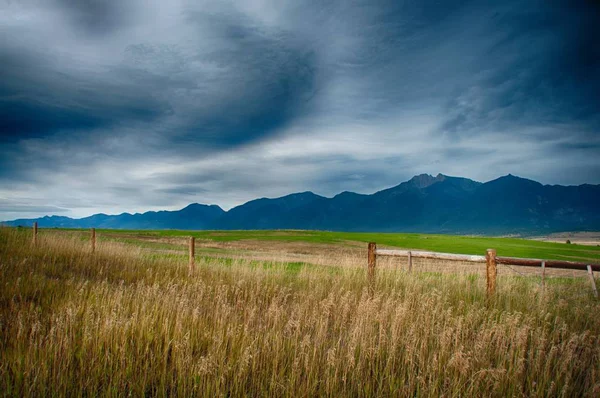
(543, 284)
(35, 233)
(591, 275)
(543, 275)
(490, 259)
(372, 257)
(93, 240)
(192, 252)
(409, 261)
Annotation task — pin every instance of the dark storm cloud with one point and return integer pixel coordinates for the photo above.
(254, 82)
(95, 16)
(541, 67)
(113, 105)
(37, 98)
(271, 78)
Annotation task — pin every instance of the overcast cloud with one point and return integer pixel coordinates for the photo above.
(112, 106)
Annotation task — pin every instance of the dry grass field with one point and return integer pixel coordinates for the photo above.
(579, 238)
(277, 320)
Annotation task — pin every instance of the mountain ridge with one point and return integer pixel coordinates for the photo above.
(440, 204)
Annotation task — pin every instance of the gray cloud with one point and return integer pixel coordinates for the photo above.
(538, 68)
(238, 82)
(129, 106)
(38, 99)
(9, 207)
(95, 17)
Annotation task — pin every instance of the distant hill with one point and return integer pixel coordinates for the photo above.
(194, 216)
(425, 203)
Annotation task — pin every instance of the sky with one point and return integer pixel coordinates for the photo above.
(112, 106)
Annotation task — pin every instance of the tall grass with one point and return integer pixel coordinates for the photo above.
(120, 323)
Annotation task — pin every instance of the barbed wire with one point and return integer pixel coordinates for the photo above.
(567, 292)
(521, 273)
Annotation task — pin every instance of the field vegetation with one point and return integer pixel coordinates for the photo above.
(512, 247)
(132, 320)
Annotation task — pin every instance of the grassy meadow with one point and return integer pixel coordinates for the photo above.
(131, 319)
(510, 247)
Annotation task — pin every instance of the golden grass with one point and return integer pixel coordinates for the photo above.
(119, 323)
(344, 254)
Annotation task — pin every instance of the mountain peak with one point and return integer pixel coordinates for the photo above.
(516, 179)
(305, 194)
(199, 205)
(512, 177)
(424, 180)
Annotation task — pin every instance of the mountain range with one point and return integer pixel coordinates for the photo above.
(440, 204)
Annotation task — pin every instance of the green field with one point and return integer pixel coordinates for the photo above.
(513, 247)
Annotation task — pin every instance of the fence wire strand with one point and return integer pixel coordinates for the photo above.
(522, 274)
(566, 293)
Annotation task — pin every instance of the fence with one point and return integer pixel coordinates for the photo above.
(491, 260)
(191, 251)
